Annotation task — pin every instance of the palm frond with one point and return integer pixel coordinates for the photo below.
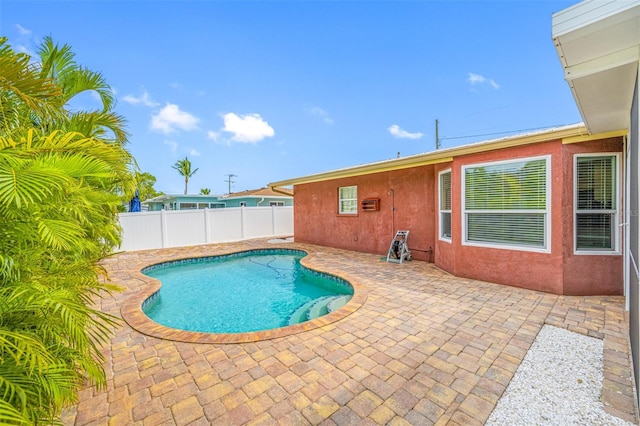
(10, 416)
(87, 80)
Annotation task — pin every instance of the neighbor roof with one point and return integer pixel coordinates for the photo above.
(262, 192)
(166, 197)
(569, 134)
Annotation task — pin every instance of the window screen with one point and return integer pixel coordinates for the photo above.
(595, 220)
(506, 203)
(348, 200)
(445, 205)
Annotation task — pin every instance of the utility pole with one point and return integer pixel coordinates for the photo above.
(229, 181)
(437, 138)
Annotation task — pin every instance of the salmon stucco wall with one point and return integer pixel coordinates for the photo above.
(519, 268)
(588, 274)
(444, 255)
(409, 201)
(405, 198)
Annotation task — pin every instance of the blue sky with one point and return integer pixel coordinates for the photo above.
(280, 89)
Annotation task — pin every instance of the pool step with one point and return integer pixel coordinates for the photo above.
(318, 307)
(338, 302)
(301, 314)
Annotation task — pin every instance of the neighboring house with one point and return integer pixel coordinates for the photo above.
(263, 197)
(555, 211)
(183, 202)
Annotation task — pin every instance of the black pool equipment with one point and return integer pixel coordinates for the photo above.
(398, 250)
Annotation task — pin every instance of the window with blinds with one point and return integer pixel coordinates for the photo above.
(507, 204)
(596, 193)
(348, 200)
(445, 205)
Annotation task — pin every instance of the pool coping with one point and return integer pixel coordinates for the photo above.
(133, 315)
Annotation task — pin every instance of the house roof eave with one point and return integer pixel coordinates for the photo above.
(598, 44)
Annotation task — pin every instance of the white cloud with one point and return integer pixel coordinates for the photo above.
(319, 112)
(249, 128)
(171, 118)
(143, 99)
(194, 153)
(173, 145)
(397, 132)
(22, 30)
(480, 79)
(213, 135)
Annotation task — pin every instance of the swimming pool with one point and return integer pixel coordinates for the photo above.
(242, 292)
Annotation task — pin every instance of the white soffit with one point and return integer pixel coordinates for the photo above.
(598, 43)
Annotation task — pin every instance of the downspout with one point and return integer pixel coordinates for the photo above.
(393, 210)
(626, 219)
(258, 204)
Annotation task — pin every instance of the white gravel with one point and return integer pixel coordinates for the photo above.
(558, 383)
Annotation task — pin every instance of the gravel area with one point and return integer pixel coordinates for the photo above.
(558, 383)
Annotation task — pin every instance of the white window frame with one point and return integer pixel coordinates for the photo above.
(181, 205)
(615, 223)
(217, 205)
(442, 211)
(341, 200)
(546, 248)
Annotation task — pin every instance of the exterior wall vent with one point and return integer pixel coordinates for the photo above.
(370, 204)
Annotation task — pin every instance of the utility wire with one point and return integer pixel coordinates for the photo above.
(496, 133)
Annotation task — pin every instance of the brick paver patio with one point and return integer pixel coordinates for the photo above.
(424, 348)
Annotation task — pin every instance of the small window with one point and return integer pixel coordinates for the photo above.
(217, 205)
(188, 206)
(596, 194)
(348, 200)
(203, 206)
(506, 204)
(445, 205)
(276, 203)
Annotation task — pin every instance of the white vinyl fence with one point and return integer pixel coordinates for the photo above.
(174, 228)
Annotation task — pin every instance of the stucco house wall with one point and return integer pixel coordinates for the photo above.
(409, 201)
(585, 274)
(317, 220)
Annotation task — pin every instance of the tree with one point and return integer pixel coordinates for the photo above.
(146, 182)
(184, 169)
(205, 191)
(60, 183)
(58, 63)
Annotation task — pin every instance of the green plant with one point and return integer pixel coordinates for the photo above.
(63, 176)
(184, 169)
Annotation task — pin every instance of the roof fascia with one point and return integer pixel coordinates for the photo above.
(603, 63)
(588, 138)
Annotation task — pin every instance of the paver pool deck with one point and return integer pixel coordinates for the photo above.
(424, 347)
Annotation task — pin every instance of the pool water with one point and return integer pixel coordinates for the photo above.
(245, 292)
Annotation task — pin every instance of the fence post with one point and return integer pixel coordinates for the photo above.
(242, 224)
(273, 220)
(207, 226)
(163, 227)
